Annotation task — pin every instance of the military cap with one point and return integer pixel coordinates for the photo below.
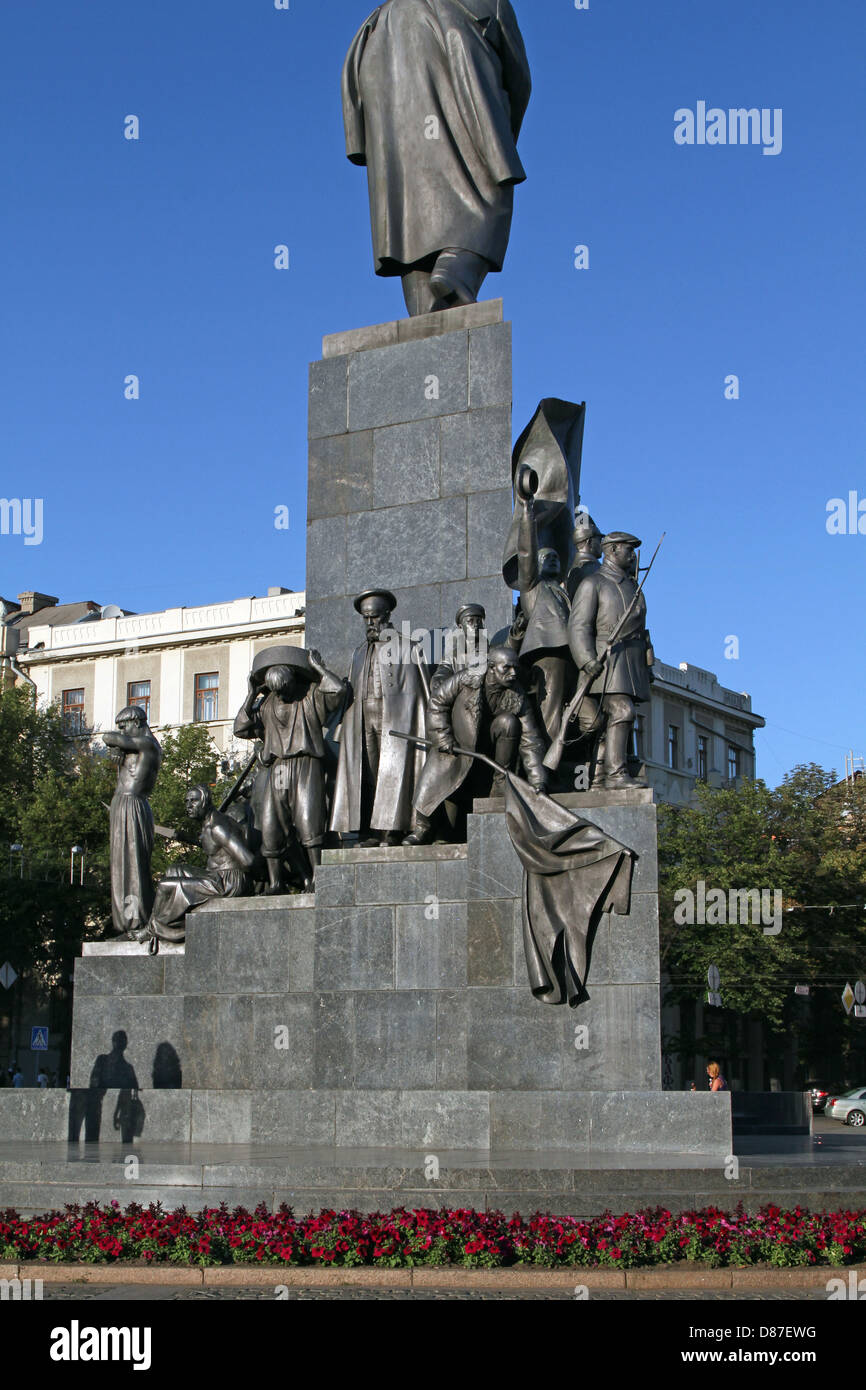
(469, 610)
(621, 538)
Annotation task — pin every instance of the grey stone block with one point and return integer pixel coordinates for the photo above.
(33, 1114)
(217, 1047)
(649, 1120)
(412, 381)
(360, 339)
(490, 374)
(406, 463)
(395, 883)
(369, 1118)
(622, 1048)
(335, 885)
(254, 954)
(420, 607)
(201, 973)
(326, 556)
(452, 1035)
(147, 1020)
(340, 473)
(136, 975)
(540, 1120)
(328, 398)
(431, 954)
(334, 1042)
(489, 311)
(293, 1117)
(634, 942)
(283, 1042)
(399, 545)
(394, 1040)
(222, 1117)
(354, 948)
(451, 880)
(476, 452)
(514, 1043)
(494, 868)
(445, 1120)
(302, 950)
(332, 627)
(488, 521)
(491, 942)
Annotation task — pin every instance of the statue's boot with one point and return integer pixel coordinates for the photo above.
(422, 830)
(275, 877)
(458, 276)
(616, 773)
(314, 855)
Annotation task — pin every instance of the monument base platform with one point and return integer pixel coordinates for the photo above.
(39, 1177)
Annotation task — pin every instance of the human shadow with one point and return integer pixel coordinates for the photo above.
(167, 1073)
(111, 1072)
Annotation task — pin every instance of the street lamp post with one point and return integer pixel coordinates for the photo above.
(19, 850)
(76, 849)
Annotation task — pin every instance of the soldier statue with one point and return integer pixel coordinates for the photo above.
(622, 681)
(545, 605)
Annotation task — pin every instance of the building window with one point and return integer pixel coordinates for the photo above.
(673, 746)
(138, 693)
(733, 762)
(73, 713)
(207, 688)
(703, 757)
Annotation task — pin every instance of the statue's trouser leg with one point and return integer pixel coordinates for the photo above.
(620, 713)
(505, 736)
(273, 830)
(372, 721)
(419, 297)
(554, 671)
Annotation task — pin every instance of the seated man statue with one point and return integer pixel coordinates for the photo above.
(484, 710)
(226, 875)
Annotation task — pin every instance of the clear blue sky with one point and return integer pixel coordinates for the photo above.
(156, 258)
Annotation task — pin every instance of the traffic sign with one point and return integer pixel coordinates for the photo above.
(860, 1010)
(714, 980)
(801, 989)
(860, 992)
(38, 1039)
(848, 997)
(7, 976)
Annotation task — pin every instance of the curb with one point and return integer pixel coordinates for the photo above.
(234, 1276)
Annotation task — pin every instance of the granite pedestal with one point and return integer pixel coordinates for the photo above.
(409, 473)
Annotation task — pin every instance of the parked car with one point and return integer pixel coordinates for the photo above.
(850, 1108)
(820, 1095)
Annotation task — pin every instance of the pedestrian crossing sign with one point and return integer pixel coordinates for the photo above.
(38, 1039)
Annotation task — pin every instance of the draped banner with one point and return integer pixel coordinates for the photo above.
(573, 873)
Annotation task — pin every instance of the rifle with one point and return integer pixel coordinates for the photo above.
(471, 753)
(554, 753)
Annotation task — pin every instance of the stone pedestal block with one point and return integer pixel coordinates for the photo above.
(409, 473)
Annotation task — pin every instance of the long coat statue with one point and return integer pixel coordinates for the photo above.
(434, 95)
(404, 695)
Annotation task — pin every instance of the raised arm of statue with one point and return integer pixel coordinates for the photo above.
(527, 552)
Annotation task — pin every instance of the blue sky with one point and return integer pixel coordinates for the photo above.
(155, 257)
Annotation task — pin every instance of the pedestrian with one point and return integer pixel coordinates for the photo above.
(42, 1078)
(716, 1081)
(17, 1078)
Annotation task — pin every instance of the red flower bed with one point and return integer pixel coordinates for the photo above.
(399, 1239)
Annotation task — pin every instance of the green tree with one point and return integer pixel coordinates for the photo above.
(805, 840)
